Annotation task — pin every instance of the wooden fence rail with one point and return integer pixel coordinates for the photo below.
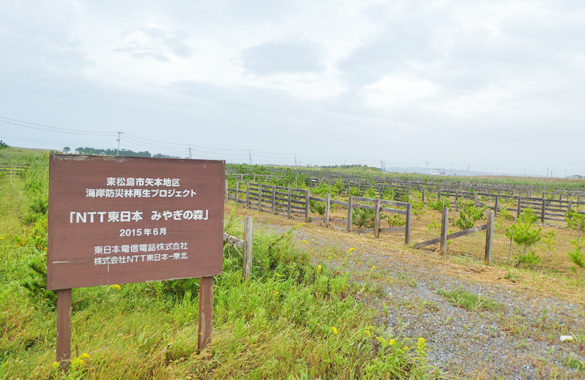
(296, 204)
(13, 168)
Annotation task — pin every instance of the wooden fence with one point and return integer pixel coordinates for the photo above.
(13, 168)
(296, 204)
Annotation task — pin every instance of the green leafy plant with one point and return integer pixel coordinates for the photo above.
(318, 207)
(3, 145)
(439, 204)
(36, 284)
(469, 214)
(354, 192)
(576, 256)
(395, 220)
(575, 220)
(549, 241)
(434, 226)
(525, 233)
(363, 218)
(370, 193)
(388, 194)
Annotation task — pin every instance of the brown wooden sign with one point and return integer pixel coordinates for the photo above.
(115, 220)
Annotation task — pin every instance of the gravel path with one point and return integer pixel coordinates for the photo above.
(517, 340)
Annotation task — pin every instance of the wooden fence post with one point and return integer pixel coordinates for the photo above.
(274, 200)
(489, 237)
(248, 245)
(237, 191)
(424, 199)
(307, 206)
(349, 213)
(407, 226)
(247, 194)
(519, 211)
(63, 326)
(289, 210)
(497, 205)
(457, 200)
(259, 197)
(327, 208)
(444, 230)
(377, 219)
(205, 311)
(475, 199)
(542, 217)
(227, 194)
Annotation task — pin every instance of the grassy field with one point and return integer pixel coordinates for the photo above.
(291, 320)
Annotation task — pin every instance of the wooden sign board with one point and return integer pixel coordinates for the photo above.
(116, 220)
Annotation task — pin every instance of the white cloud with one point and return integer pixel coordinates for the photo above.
(397, 92)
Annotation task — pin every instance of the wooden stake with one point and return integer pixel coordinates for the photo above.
(408, 224)
(289, 210)
(205, 311)
(327, 209)
(63, 326)
(349, 213)
(248, 243)
(307, 206)
(444, 230)
(489, 232)
(377, 220)
(260, 197)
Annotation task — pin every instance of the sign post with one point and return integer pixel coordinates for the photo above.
(117, 220)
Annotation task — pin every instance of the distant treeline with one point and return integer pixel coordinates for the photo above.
(3, 145)
(341, 166)
(114, 152)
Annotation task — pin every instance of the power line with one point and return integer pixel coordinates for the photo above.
(26, 124)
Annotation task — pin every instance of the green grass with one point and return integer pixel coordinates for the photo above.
(290, 320)
(469, 301)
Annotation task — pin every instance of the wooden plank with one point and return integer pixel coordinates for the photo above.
(248, 241)
(393, 211)
(361, 205)
(317, 199)
(233, 240)
(365, 230)
(393, 229)
(336, 202)
(205, 311)
(489, 238)
(63, 326)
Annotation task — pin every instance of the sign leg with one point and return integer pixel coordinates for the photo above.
(63, 325)
(205, 311)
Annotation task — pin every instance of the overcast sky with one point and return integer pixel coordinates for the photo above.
(489, 84)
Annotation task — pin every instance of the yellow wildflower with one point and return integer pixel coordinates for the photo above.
(334, 329)
(116, 286)
(406, 348)
(55, 365)
(1, 237)
(319, 269)
(421, 340)
(351, 250)
(276, 274)
(85, 355)
(369, 334)
(304, 241)
(392, 341)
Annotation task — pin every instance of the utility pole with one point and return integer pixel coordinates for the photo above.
(190, 157)
(250, 156)
(546, 172)
(118, 140)
(295, 161)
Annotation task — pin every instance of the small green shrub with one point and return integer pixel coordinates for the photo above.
(468, 300)
(525, 233)
(576, 256)
(439, 204)
(363, 218)
(575, 220)
(468, 215)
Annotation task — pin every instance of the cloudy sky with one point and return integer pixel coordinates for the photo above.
(494, 84)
